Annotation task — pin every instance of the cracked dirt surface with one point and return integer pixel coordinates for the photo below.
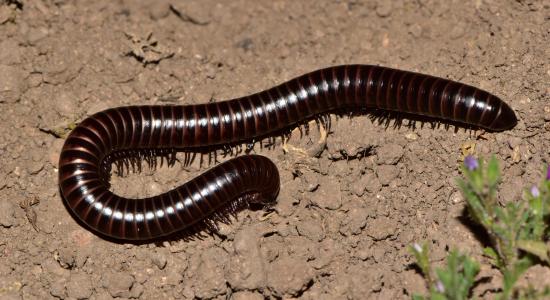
(346, 212)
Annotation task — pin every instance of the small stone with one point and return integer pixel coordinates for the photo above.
(225, 229)
(516, 154)
(79, 286)
(386, 173)
(411, 136)
(159, 260)
(455, 197)
(65, 257)
(246, 44)
(7, 213)
(118, 284)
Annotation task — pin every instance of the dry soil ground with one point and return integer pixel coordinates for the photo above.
(343, 220)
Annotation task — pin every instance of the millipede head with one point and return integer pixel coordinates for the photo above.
(506, 119)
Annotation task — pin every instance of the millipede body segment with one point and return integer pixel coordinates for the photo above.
(83, 175)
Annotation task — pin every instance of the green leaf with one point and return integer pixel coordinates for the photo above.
(421, 254)
(537, 248)
(492, 254)
(475, 206)
(438, 296)
(493, 172)
(512, 274)
(456, 278)
(418, 297)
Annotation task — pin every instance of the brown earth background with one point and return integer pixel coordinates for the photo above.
(343, 220)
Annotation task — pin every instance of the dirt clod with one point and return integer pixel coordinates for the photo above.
(79, 286)
(7, 213)
(12, 83)
(328, 195)
(118, 284)
(386, 173)
(298, 276)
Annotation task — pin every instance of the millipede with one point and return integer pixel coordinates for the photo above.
(125, 132)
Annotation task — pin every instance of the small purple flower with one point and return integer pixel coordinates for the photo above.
(535, 191)
(471, 163)
(440, 287)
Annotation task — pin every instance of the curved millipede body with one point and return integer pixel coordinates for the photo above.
(83, 177)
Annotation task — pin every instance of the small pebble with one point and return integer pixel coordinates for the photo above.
(159, 260)
(411, 136)
(65, 257)
(456, 197)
